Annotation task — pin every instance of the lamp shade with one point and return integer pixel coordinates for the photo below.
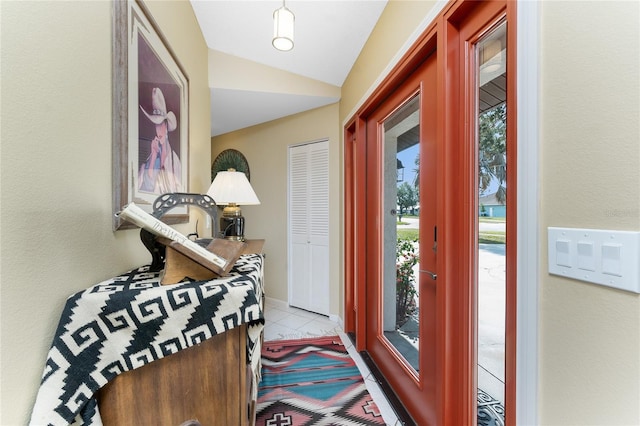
(232, 187)
(283, 23)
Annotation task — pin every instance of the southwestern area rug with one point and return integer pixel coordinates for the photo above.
(312, 382)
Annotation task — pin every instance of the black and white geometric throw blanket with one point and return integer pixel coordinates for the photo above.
(130, 320)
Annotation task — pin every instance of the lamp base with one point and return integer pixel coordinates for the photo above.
(232, 228)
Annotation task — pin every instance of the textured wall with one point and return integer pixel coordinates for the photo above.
(383, 49)
(590, 177)
(265, 147)
(56, 232)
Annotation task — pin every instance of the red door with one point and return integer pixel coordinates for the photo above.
(414, 290)
(402, 240)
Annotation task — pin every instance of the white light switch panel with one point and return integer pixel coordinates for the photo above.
(610, 258)
(586, 256)
(563, 252)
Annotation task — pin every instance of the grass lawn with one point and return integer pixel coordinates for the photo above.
(407, 234)
(487, 219)
(491, 237)
(485, 237)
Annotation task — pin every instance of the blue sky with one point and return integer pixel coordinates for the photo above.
(408, 157)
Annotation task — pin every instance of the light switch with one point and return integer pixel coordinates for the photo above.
(586, 259)
(611, 259)
(563, 253)
(607, 257)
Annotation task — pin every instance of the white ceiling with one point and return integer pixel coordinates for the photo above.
(329, 35)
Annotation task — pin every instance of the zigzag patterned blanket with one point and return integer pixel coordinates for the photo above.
(131, 320)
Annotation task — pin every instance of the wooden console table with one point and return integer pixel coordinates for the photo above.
(254, 247)
(208, 382)
(150, 354)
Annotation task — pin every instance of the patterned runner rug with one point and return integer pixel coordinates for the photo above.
(312, 382)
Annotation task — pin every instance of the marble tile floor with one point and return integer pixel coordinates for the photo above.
(284, 322)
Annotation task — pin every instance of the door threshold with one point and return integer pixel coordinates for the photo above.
(396, 405)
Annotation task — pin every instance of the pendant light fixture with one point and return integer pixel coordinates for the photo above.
(283, 21)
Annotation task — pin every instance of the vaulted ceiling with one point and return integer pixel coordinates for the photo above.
(251, 82)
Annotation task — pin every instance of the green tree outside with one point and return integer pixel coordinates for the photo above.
(493, 145)
(407, 197)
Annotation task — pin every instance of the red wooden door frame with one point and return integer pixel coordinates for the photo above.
(350, 306)
(416, 390)
(355, 231)
(455, 304)
(463, 26)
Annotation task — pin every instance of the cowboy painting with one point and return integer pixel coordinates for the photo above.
(161, 172)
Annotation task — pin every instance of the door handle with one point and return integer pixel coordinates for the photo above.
(431, 274)
(435, 240)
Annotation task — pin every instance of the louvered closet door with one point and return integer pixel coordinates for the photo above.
(309, 227)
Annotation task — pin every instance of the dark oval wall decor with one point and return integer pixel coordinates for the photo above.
(230, 158)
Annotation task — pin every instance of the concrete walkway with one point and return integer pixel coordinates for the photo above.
(491, 312)
(412, 223)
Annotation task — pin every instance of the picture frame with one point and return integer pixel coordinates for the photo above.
(150, 152)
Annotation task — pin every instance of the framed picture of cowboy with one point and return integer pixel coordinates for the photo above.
(151, 115)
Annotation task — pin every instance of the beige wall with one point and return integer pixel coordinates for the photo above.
(265, 147)
(590, 168)
(56, 170)
(397, 23)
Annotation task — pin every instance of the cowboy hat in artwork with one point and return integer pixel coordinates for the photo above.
(161, 172)
(159, 112)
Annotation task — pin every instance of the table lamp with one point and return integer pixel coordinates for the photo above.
(232, 188)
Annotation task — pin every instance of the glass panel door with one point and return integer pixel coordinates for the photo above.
(491, 60)
(400, 241)
(400, 213)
